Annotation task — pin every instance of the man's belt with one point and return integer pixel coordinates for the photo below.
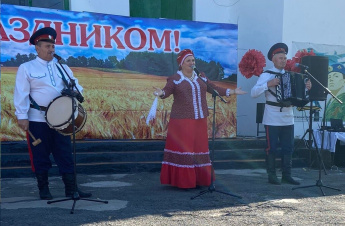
(280, 104)
(41, 108)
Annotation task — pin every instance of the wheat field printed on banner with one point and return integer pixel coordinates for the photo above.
(117, 104)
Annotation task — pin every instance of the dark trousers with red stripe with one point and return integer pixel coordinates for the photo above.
(282, 136)
(52, 143)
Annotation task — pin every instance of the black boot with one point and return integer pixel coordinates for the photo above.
(42, 183)
(286, 174)
(70, 186)
(271, 169)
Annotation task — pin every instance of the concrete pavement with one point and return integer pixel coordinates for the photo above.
(140, 199)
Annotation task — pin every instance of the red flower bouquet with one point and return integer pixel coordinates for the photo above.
(252, 63)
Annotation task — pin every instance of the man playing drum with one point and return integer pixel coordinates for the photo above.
(38, 82)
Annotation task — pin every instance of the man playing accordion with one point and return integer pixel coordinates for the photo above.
(278, 118)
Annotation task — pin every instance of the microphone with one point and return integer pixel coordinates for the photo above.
(196, 71)
(301, 66)
(57, 56)
(80, 98)
(71, 93)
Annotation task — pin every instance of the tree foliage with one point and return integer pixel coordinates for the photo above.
(162, 64)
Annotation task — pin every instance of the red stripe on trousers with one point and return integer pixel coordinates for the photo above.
(268, 141)
(30, 152)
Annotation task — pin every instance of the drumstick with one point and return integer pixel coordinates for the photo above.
(36, 141)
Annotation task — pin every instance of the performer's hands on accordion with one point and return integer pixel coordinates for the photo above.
(293, 88)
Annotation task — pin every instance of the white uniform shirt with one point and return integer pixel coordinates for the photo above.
(43, 81)
(272, 114)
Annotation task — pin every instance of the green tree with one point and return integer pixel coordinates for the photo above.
(82, 61)
(72, 62)
(113, 60)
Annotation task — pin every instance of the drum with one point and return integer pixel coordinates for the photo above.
(292, 89)
(59, 115)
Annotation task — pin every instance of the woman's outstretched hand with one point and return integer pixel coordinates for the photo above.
(239, 91)
(158, 92)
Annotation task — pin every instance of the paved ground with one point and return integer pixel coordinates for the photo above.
(139, 199)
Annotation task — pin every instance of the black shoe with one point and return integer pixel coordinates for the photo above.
(42, 184)
(45, 193)
(84, 194)
(70, 187)
(272, 179)
(70, 194)
(289, 180)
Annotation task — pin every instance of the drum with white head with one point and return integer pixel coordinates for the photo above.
(60, 112)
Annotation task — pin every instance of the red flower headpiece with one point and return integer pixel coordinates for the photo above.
(252, 63)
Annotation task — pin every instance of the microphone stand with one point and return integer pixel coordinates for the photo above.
(212, 187)
(319, 182)
(73, 95)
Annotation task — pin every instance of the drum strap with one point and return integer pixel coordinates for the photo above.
(41, 108)
(62, 75)
(33, 104)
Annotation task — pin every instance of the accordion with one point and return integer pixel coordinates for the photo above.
(292, 89)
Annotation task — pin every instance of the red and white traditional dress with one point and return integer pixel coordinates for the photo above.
(186, 162)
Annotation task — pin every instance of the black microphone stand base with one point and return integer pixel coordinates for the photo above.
(319, 184)
(75, 198)
(212, 188)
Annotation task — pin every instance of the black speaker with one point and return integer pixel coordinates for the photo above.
(318, 68)
(339, 155)
(260, 108)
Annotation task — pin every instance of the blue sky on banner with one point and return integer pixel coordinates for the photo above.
(209, 41)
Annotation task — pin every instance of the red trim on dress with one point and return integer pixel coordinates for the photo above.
(186, 162)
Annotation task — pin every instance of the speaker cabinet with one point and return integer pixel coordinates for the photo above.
(339, 155)
(260, 108)
(318, 68)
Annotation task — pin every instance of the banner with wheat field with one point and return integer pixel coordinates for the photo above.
(118, 60)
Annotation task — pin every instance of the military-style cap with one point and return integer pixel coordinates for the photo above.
(277, 48)
(337, 68)
(46, 34)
